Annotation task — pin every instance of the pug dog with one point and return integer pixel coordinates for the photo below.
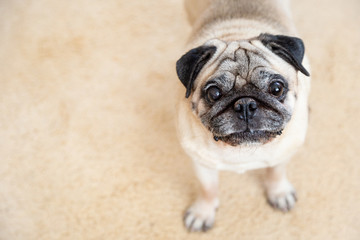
(245, 104)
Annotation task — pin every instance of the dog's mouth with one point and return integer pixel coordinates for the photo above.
(248, 136)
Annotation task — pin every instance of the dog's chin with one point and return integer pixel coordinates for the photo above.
(248, 137)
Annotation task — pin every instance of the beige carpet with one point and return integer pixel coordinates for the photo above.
(87, 142)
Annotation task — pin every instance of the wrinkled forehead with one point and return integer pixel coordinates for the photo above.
(239, 61)
(240, 57)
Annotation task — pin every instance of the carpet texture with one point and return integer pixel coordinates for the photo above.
(88, 148)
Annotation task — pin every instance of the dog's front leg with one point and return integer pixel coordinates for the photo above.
(280, 192)
(200, 216)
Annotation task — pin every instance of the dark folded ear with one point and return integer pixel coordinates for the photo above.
(291, 49)
(191, 63)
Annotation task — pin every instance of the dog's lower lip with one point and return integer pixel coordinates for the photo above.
(248, 135)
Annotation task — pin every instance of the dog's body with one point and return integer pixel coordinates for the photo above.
(246, 100)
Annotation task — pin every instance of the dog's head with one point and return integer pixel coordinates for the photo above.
(243, 91)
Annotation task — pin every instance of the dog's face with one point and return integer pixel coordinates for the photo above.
(243, 91)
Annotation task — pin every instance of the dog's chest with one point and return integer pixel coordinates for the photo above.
(238, 159)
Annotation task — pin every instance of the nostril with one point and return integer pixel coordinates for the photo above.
(238, 107)
(252, 106)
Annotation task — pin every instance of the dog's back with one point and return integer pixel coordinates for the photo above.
(204, 13)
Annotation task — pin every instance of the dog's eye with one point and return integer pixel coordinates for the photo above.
(213, 93)
(276, 88)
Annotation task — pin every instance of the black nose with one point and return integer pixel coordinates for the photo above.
(246, 107)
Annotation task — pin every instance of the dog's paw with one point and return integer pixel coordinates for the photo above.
(200, 216)
(282, 196)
